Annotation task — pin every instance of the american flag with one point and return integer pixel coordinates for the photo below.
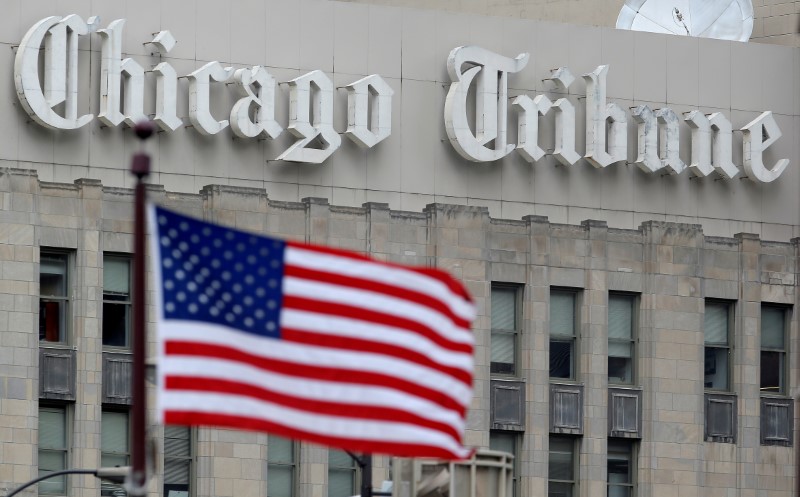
(309, 342)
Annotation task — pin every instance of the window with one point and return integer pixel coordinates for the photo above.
(116, 301)
(505, 329)
(563, 338)
(281, 464)
(341, 474)
(507, 441)
(177, 461)
(114, 447)
(716, 329)
(621, 344)
(53, 296)
(561, 467)
(773, 349)
(621, 468)
(53, 449)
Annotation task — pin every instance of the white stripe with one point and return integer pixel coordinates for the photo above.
(379, 302)
(353, 328)
(395, 276)
(316, 390)
(332, 426)
(309, 355)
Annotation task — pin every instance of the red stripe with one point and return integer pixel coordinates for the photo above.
(452, 284)
(190, 418)
(362, 314)
(359, 345)
(354, 411)
(374, 286)
(339, 375)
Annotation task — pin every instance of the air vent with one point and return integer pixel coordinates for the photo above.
(625, 412)
(57, 374)
(117, 373)
(721, 417)
(508, 405)
(566, 409)
(777, 415)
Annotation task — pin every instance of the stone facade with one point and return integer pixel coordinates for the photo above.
(671, 268)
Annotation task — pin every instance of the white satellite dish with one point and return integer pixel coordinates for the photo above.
(720, 19)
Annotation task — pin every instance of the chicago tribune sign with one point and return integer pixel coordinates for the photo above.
(369, 104)
(310, 96)
(606, 124)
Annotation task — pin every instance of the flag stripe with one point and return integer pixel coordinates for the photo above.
(354, 344)
(225, 403)
(213, 368)
(385, 304)
(186, 417)
(319, 359)
(314, 372)
(190, 383)
(378, 287)
(424, 280)
(310, 304)
(327, 324)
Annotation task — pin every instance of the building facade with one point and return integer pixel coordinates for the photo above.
(636, 331)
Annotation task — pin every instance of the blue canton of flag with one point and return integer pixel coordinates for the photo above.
(221, 276)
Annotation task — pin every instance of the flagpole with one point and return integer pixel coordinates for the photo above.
(140, 167)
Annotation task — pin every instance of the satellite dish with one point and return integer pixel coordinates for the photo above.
(720, 19)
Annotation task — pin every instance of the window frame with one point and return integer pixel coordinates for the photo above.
(66, 299)
(294, 465)
(127, 303)
(729, 346)
(633, 341)
(190, 458)
(574, 339)
(68, 439)
(516, 333)
(128, 454)
(517, 440)
(784, 369)
(353, 468)
(631, 449)
(573, 441)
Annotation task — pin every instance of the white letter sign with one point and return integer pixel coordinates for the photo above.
(60, 68)
(491, 106)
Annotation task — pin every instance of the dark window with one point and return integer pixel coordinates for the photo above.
(621, 338)
(563, 336)
(621, 469)
(281, 467)
(116, 301)
(507, 441)
(561, 467)
(505, 330)
(53, 297)
(773, 349)
(53, 449)
(341, 474)
(716, 330)
(177, 461)
(114, 448)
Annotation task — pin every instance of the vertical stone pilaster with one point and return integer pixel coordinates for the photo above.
(19, 372)
(747, 363)
(593, 343)
(536, 353)
(87, 293)
(670, 361)
(317, 216)
(377, 219)
(457, 243)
